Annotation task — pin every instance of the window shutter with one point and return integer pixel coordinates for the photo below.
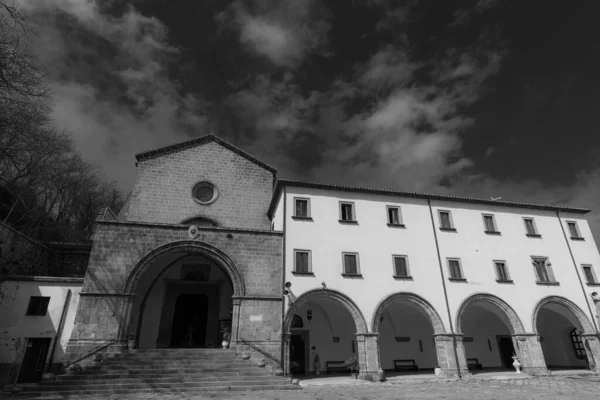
(350, 264)
(589, 275)
(401, 269)
(550, 272)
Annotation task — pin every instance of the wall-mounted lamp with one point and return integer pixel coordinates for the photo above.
(309, 315)
(381, 318)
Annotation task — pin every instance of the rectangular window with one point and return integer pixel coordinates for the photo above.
(501, 271)
(530, 226)
(351, 266)
(302, 262)
(445, 220)
(543, 270)
(302, 209)
(38, 305)
(455, 270)
(394, 215)
(401, 267)
(589, 274)
(574, 230)
(347, 211)
(490, 223)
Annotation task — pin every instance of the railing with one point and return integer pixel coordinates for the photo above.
(263, 352)
(91, 353)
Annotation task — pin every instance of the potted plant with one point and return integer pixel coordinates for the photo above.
(226, 338)
(317, 364)
(353, 365)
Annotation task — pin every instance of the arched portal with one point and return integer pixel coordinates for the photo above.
(330, 323)
(562, 326)
(488, 324)
(183, 296)
(406, 324)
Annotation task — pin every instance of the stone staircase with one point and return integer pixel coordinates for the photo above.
(163, 371)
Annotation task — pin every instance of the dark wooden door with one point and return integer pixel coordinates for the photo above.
(34, 360)
(507, 350)
(189, 321)
(298, 354)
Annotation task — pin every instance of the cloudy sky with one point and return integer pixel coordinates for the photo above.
(472, 97)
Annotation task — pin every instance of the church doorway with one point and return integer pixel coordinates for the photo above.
(189, 320)
(183, 301)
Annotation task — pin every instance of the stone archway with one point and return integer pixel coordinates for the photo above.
(411, 299)
(488, 326)
(589, 334)
(363, 338)
(189, 248)
(515, 324)
(417, 340)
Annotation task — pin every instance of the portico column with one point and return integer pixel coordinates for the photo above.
(125, 325)
(447, 356)
(368, 354)
(530, 353)
(592, 350)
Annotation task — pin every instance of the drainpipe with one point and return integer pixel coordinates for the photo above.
(577, 272)
(437, 247)
(61, 325)
(284, 199)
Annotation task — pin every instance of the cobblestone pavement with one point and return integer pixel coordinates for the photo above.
(554, 388)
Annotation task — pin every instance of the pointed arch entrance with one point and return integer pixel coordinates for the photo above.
(489, 326)
(567, 336)
(183, 296)
(331, 323)
(407, 325)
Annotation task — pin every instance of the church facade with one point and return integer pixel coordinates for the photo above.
(211, 245)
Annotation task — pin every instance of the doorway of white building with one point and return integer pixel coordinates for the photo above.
(323, 338)
(488, 325)
(406, 342)
(560, 336)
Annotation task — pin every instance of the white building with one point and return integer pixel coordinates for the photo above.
(398, 272)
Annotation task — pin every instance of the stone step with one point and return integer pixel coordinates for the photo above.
(176, 390)
(157, 379)
(161, 370)
(150, 385)
(160, 374)
(180, 351)
(217, 361)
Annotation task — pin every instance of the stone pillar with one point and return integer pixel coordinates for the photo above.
(235, 318)
(529, 351)
(126, 326)
(592, 350)
(368, 354)
(448, 347)
(286, 354)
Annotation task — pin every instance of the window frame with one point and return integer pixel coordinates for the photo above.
(400, 222)
(451, 228)
(308, 210)
(44, 301)
(350, 253)
(536, 232)
(547, 269)
(347, 221)
(460, 269)
(592, 272)
(578, 345)
(577, 230)
(494, 224)
(506, 272)
(405, 257)
(309, 262)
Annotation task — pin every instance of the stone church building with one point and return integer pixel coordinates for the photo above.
(309, 275)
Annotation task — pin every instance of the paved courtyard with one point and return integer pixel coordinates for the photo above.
(553, 388)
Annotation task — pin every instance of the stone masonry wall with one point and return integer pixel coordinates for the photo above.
(163, 189)
(118, 247)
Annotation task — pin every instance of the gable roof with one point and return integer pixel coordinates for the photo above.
(147, 155)
(283, 182)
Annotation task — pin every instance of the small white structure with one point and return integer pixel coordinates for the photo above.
(421, 281)
(37, 318)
